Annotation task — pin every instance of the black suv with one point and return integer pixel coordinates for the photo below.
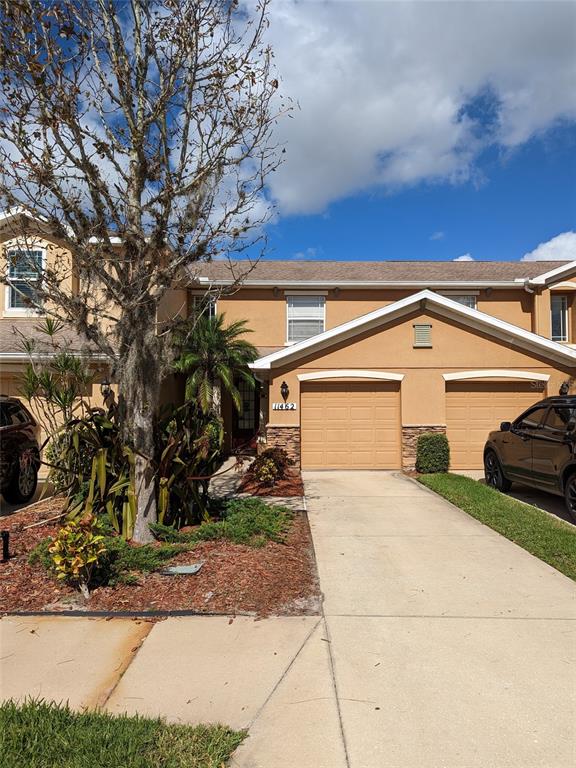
(19, 451)
(537, 449)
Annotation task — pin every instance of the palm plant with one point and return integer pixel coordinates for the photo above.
(213, 357)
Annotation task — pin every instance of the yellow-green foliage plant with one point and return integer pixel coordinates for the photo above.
(77, 550)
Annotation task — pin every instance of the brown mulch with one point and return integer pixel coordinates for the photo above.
(291, 486)
(276, 579)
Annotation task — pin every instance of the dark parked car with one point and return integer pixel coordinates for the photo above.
(19, 451)
(537, 449)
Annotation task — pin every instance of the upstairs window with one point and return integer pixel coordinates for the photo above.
(467, 299)
(24, 277)
(205, 305)
(559, 317)
(305, 317)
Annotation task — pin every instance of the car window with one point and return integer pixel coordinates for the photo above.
(530, 419)
(12, 414)
(558, 417)
(5, 419)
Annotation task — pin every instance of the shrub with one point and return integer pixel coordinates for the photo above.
(76, 552)
(432, 453)
(244, 521)
(270, 466)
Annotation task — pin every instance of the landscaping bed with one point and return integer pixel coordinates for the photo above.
(289, 486)
(37, 734)
(274, 578)
(548, 538)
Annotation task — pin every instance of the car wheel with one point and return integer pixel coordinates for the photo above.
(570, 496)
(493, 473)
(25, 481)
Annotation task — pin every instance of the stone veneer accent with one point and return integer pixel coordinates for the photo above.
(410, 436)
(286, 437)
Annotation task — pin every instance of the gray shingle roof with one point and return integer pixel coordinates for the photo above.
(11, 341)
(369, 271)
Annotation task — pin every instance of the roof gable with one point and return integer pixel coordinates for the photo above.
(442, 305)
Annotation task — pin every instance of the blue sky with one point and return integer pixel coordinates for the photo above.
(526, 197)
(415, 118)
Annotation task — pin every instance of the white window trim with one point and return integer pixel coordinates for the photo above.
(206, 293)
(566, 312)
(323, 294)
(20, 311)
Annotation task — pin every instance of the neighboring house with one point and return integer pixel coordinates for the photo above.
(359, 358)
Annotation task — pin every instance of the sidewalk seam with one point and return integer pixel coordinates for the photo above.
(283, 675)
(335, 688)
(102, 704)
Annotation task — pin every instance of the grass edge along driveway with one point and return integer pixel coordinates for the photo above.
(548, 538)
(37, 734)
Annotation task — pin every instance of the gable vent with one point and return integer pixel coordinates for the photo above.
(422, 335)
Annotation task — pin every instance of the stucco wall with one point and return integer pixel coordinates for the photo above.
(454, 349)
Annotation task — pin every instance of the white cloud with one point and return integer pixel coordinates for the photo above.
(465, 257)
(559, 248)
(436, 236)
(384, 90)
(309, 253)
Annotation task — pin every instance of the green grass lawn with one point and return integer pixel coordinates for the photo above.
(545, 536)
(37, 734)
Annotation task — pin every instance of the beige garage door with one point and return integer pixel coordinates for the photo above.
(474, 409)
(350, 425)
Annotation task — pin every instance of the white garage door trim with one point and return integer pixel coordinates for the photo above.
(496, 374)
(353, 373)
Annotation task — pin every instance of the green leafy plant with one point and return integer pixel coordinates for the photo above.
(55, 382)
(244, 521)
(213, 356)
(432, 453)
(76, 552)
(119, 563)
(270, 466)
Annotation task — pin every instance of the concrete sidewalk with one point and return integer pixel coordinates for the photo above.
(442, 645)
(451, 646)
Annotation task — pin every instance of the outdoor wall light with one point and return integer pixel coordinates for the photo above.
(105, 387)
(284, 390)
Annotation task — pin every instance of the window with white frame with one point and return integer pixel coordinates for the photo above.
(305, 317)
(204, 304)
(559, 317)
(467, 299)
(25, 268)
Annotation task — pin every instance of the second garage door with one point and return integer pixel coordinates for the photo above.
(350, 425)
(474, 409)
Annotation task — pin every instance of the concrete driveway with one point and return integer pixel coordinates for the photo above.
(451, 647)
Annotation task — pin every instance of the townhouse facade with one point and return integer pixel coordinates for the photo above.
(358, 358)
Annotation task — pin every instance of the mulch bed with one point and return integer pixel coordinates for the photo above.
(291, 486)
(276, 579)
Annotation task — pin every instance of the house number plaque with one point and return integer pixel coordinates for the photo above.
(283, 406)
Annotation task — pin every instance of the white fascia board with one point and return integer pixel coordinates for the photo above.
(508, 373)
(353, 373)
(328, 284)
(445, 306)
(561, 271)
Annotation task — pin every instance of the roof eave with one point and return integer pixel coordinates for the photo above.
(426, 299)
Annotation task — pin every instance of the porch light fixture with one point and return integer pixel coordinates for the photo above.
(284, 390)
(105, 387)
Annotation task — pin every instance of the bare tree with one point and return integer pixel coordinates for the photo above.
(140, 134)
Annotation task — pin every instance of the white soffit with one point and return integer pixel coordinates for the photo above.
(565, 270)
(496, 374)
(353, 373)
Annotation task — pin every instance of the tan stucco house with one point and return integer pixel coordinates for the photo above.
(359, 358)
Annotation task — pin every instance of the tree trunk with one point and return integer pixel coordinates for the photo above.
(139, 378)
